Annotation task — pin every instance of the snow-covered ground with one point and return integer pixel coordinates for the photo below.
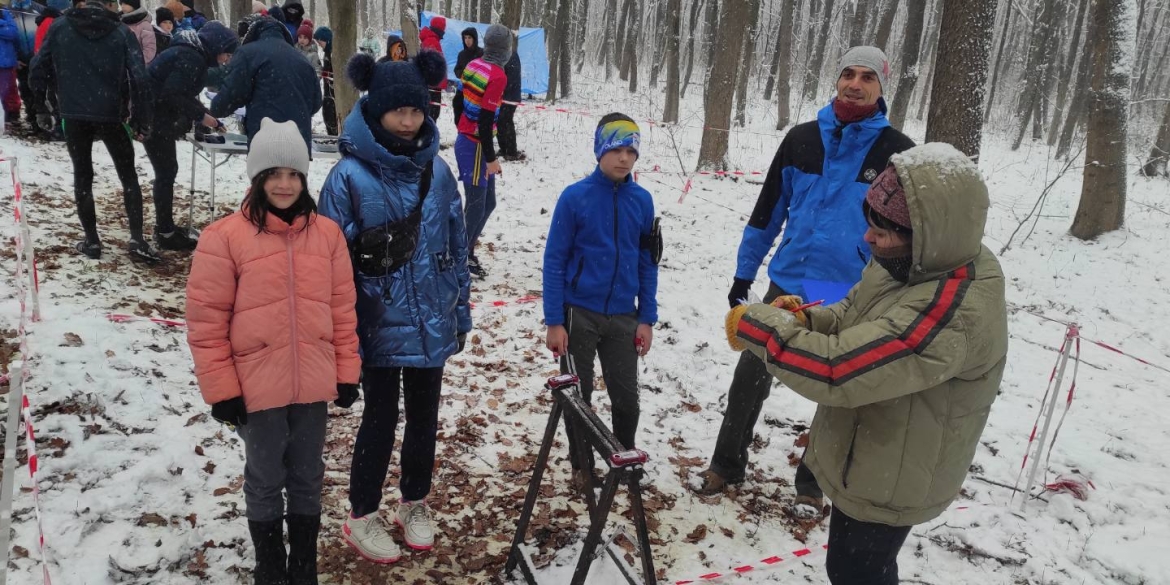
(139, 485)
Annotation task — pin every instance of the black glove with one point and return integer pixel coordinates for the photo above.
(347, 394)
(462, 339)
(739, 292)
(231, 411)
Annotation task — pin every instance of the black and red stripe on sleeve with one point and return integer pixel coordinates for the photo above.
(835, 370)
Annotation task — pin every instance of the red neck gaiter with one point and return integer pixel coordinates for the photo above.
(848, 113)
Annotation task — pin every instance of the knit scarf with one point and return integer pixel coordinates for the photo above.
(848, 113)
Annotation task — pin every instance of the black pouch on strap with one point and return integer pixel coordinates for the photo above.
(383, 249)
(653, 241)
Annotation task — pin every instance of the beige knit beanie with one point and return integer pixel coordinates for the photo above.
(277, 144)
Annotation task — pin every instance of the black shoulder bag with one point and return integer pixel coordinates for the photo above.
(382, 250)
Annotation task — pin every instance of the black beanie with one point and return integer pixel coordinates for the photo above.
(164, 14)
(135, 4)
(395, 84)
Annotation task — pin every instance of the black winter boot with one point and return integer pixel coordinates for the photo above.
(302, 548)
(268, 540)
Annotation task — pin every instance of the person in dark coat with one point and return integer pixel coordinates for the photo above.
(271, 78)
(506, 123)
(470, 52)
(294, 14)
(190, 17)
(98, 73)
(178, 75)
(324, 38)
(395, 49)
(164, 27)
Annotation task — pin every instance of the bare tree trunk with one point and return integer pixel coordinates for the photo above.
(623, 33)
(673, 18)
(632, 46)
(1039, 55)
(604, 52)
(511, 15)
(931, 58)
(783, 85)
(1160, 151)
(915, 14)
(886, 24)
(343, 21)
(860, 19)
(721, 82)
(237, 10)
(956, 108)
(745, 64)
(581, 24)
(659, 54)
(709, 32)
(1102, 205)
(812, 79)
(1066, 72)
(1076, 109)
(558, 46)
(995, 69)
(485, 11)
(773, 71)
(686, 81)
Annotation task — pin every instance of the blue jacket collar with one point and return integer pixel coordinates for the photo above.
(358, 141)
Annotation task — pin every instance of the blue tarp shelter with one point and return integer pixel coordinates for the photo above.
(533, 56)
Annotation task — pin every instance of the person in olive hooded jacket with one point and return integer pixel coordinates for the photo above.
(905, 369)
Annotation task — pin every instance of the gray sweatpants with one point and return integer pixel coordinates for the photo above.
(610, 338)
(282, 448)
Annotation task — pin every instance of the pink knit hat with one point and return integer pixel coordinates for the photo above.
(887, 198)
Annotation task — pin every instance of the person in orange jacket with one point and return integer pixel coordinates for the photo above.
(273, 332)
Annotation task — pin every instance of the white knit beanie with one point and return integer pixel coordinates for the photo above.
(871, 57)
(277, 144)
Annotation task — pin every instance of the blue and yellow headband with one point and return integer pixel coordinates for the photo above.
(617, 134)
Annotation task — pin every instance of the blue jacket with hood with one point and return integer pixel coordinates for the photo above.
(410, 318)
(593, 258)
(813, 194)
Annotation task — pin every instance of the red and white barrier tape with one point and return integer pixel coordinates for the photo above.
(762, 564)
(33, 465)
(22, 233)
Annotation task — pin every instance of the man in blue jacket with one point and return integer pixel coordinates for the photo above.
(812, 197)
(601, 279)
(272, 79)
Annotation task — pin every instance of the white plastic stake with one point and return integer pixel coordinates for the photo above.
(15, 399)
(1070, 336)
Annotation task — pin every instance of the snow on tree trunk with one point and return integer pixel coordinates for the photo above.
(343, 21)
(511, 15)
(960, 75)
(812, 79)
(690, 66)
(407, 20)
(784, 85)
(485, 11)
(886, 25)
(1039, 56)
(1102, 205)
(673, 22)
(860, 20)
(745, 65)
(1160, 152)
(558, 46)
(915, 15)
(1067, 73)
(721, 84)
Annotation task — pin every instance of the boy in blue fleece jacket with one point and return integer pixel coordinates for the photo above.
(600, 281)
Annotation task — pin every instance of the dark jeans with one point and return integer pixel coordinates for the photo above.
(750, 387)
(79, 138)
(283, 448)
(481, 202)
(375, 439)
(329, 109)
(162, 154)
(610, 338)
(506, 130)
(26, 96)
(436, 99)
(863, 553)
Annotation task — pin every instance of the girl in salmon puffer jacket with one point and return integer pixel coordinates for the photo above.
(272, 329)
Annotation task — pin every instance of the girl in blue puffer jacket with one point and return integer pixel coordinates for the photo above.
(398, 205)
